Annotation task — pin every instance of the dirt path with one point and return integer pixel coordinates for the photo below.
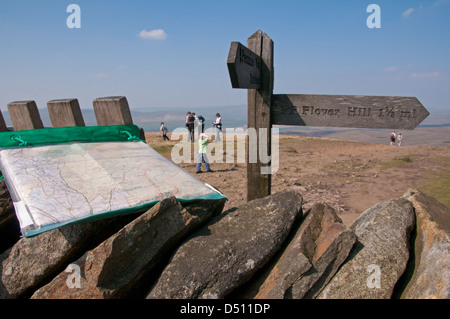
(349, 176)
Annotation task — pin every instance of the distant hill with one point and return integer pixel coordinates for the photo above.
(150, 118)
(433, 131)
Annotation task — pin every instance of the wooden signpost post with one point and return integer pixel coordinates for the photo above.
(266, 109)
(259, 98)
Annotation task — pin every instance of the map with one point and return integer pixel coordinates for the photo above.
(57, 184)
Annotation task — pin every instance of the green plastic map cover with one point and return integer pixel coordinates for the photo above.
(58, 176)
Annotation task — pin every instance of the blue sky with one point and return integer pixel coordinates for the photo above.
(173, 53)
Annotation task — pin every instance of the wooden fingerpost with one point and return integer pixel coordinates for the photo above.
(258, 117)
(251, 68)
(25, 115)
(65, 112)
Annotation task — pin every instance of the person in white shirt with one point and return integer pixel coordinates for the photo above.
(218, 126)
(399, 139)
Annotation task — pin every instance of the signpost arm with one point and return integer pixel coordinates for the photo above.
(259, 104)
(393, 112)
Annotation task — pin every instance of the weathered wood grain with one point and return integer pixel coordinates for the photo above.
(65, 112)
(25, 115)
(112, 111)
(244, 67)
(358, 111)
(259, 102)
(3, 126)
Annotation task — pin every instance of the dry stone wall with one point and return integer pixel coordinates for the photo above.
(268, 248)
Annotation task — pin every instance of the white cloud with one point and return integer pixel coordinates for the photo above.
(408, 12)
(440, 3)
(157, 34)
(425, 75)
(101, 75)
(390, 69)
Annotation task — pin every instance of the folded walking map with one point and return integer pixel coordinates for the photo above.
(58, 176)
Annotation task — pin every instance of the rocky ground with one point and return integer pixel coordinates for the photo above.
(349, 176)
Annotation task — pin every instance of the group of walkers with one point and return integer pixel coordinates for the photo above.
(195, 124)
(396, 138)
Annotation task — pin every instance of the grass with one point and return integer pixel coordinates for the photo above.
(163, 149)
(437, 185)
(396, 162)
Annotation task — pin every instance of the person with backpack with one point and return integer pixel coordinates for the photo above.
(393, 136)
(201, 124)
(190, 119)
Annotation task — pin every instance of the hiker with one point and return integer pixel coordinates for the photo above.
(190, 125)
(201, 124)
(202, 143)
(393, 138)
(163, 129)
(218, 125)
(196, 124)
(399, 139)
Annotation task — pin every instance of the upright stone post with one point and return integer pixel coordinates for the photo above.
(25, 115)
(65, 113)
(258, 117)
